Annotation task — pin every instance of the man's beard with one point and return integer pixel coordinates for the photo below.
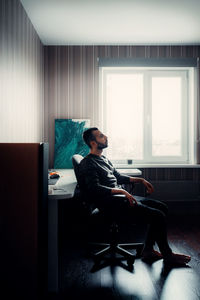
(101, 146)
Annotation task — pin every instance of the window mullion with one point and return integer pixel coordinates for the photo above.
(184, 118)
(147, 117)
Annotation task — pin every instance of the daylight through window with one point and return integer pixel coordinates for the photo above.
(146, 114)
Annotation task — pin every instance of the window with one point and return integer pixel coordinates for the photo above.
(147, 113)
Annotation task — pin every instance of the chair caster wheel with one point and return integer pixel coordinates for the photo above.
(97, 260)
(139, 251)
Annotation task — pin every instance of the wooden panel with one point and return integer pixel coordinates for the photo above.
(176, 190)
(160, 174)
(23, 215)
(154, 51)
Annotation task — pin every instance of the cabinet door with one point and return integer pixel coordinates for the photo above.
(23, 213)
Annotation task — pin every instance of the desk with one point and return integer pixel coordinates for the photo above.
(63, 189)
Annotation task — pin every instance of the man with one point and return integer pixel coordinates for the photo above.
(101, 181)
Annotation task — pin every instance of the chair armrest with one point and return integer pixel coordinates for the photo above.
(135, 189)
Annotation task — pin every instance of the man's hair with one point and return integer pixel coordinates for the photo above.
(88, 135)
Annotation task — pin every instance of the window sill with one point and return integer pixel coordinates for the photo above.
(126, 166)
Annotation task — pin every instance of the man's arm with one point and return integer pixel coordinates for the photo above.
(91, 181)
(130, 197)
(132, 200)
(121, 179)
(93, 185)
(148, 185)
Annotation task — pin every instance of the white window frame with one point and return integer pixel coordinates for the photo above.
(188, 111)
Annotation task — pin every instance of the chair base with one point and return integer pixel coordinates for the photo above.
(114, 248)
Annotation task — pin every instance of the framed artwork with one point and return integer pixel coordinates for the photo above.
(69, 141)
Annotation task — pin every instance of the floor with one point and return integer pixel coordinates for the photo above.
(81, 278)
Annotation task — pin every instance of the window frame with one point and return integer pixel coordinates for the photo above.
(188, 115)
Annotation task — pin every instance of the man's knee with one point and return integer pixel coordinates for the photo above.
(160, 217)
(165, 208)
(161, 206)
(113, 201)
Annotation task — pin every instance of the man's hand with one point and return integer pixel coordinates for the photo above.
(130, 198)
(149, 186)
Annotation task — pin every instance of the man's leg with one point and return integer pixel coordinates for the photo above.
(157, 221)
(140, 213)
(155, 204)
(119, 207)
(157, 226)
(149, 250)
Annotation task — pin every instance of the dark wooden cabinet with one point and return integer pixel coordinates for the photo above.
(23, 214)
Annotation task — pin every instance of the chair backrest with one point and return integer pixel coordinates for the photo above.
(86, 207)
(76, 159)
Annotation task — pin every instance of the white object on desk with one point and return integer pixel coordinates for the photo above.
(63, 189)
(131, 172)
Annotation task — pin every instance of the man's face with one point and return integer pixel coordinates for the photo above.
(101, 139)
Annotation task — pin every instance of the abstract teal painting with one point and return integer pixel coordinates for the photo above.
(69, 141)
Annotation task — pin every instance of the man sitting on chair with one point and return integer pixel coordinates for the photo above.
(101, 181)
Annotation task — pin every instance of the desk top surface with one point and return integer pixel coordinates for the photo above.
(65, 186)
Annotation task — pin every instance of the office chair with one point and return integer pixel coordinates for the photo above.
(95, 213)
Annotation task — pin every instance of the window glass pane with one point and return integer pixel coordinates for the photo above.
(124, 115)
(166, 116)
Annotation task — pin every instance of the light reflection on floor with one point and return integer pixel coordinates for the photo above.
(171, 283)
(130, 283)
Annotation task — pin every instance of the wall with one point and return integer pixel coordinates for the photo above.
(72, 79)
(21, 76)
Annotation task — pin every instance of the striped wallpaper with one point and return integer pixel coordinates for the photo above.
(40, 83)
(21, 76)
(72, 79)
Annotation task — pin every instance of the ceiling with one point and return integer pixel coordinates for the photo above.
(115, 22)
